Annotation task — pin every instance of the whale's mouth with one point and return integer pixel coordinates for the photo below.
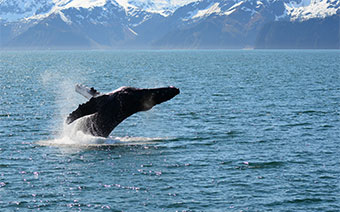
(160, 95)
(154, 96)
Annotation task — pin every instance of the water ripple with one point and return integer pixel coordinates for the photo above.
(250, 131)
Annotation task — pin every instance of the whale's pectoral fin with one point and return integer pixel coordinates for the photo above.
(86, 91)
(85, 109)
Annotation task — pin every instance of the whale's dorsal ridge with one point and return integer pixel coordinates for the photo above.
(121, 89)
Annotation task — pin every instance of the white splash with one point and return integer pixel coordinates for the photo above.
(72, 137)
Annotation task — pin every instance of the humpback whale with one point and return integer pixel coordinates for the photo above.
(103, 112)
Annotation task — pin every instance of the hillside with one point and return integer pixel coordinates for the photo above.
(169, 24)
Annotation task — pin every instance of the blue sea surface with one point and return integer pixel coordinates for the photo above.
(250, 131)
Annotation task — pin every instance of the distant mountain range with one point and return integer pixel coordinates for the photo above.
(170, 24)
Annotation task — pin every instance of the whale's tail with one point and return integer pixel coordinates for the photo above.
(86, 91)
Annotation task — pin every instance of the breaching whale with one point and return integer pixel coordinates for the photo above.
(103, 112)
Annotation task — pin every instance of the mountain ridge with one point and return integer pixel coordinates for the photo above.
(150, 23)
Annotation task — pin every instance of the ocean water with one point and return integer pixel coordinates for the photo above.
(250, 131)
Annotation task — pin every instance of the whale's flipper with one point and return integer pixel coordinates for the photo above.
(90, 107)
(86, 92)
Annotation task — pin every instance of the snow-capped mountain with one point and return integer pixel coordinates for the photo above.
(283, 9)
(14, 10)
(35, 9)
(307, 9)
(151, 23)
(163, 7)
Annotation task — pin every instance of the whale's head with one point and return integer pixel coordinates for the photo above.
(154, 96)
(136, 99)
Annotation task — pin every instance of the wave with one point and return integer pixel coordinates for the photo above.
(86, 141)
(70, 137)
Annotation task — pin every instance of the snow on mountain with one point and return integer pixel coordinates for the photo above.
(226, 8)
(307, 9)
(211, 9)
(293, 9)
(163, 7)
(88, 4)
(65, 4)
(145, 23)
(14, 10)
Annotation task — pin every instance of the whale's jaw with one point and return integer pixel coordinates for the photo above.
(154, 96)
